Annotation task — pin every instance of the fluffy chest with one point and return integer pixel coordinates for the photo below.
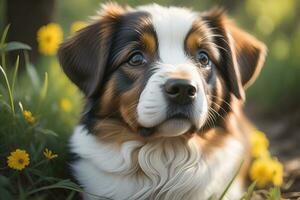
(171, 168)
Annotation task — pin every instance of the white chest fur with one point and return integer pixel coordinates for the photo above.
(171, 168)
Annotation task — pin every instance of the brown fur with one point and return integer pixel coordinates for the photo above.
(149, 42)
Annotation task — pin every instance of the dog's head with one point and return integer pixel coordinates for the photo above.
(160, 71)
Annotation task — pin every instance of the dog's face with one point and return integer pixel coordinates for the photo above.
(160, 71)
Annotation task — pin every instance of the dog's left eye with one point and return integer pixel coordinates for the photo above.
(137, 59)
(203, 58)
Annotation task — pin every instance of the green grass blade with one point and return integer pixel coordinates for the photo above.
(2, 45)
(231, 181)
(64, 184)
(21, 106)
(4, 34)
(15, 74)
(11, 99)
(71, 195)
(43, 92)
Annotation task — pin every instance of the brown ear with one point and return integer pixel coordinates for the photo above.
(250, 54)
(245, 55)
(83, 57)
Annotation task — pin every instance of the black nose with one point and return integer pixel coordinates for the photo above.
(181, 91)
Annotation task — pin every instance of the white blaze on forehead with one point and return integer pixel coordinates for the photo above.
(171, 25)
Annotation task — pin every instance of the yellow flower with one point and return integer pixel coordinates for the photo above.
(76, 26)
(28, 116)
(266, 171)
(259, 144)
(49, 37)
(65, 104)
(49, 154)
(18, 159)
(277, 173)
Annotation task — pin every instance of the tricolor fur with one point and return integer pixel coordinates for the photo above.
(136, 140)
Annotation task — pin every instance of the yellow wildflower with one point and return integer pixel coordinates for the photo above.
(65, 104)
(266, 171)
(49, 154)
(259, 144)
(277, 173)
(76, 26)
(18, 159)
(49, 37)
(28, 116)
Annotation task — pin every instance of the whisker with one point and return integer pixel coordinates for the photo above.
(220, 107)
(210, 120)
(217, 113)
(219, 98)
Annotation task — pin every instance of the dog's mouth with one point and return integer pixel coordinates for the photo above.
(176, 124)
(179, 116)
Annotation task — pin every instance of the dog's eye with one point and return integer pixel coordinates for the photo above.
(137, 59)
(203, 58)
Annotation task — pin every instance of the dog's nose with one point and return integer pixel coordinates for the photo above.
(181, 91)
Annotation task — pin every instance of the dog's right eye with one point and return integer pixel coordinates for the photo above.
(203, 58)
(137, 59)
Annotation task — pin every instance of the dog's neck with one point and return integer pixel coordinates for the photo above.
(166, 168)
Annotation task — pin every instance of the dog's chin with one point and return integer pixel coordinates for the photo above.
(174, 127)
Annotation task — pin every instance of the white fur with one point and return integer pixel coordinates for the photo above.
(168, 169)
(171, 26)
(152, 106)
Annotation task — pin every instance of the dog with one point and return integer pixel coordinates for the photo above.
(164, 89)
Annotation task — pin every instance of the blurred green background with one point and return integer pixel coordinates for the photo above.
(274, 22)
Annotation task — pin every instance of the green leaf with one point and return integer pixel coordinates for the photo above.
(274, 194)
(5, 194)
(4, 181)
(33, 75)
(47, 132)
(12, 46)
(248, 194)
(31, 72)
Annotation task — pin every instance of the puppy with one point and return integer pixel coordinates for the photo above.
(164, 89)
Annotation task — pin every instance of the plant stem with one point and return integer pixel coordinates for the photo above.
(3, 60)
(15, 75)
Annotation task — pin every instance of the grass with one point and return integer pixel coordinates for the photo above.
(43, 178)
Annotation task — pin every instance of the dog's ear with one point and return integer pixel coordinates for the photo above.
(83, 57)
(250, 53)
(245, 54)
